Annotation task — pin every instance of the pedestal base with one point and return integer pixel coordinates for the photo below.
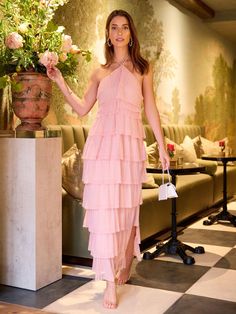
(175, 247)
(222, 216)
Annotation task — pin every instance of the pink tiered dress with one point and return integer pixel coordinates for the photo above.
(114, 169)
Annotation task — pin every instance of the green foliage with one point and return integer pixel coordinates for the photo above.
(215, 107)
(27, 32)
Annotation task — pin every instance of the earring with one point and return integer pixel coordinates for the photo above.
(109, 44)
(131, 42)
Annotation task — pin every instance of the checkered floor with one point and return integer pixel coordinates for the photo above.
(162, 285)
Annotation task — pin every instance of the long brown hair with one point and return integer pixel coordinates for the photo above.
(140, 64)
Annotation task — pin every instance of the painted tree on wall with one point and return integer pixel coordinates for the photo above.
(215, 109)
(175, 106)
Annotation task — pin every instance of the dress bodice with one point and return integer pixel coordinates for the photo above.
(120, 84)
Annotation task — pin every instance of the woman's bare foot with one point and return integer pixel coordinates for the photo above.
(123, 276)
(110, 296)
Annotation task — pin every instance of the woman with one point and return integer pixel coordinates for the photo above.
(114, 154)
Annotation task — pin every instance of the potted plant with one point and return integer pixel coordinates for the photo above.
(29, 40)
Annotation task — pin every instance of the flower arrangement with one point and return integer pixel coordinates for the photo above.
(29, 40)
(222, 145)
(171, 150)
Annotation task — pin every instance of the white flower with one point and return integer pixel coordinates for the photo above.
(66, 43)
(60, 29)
(48, 58)
(23, 28)
(14, 41)
(44, 2)
(75, 49)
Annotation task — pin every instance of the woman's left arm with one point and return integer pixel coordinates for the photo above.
(153, 116)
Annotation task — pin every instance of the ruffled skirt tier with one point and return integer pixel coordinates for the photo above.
(114, 169)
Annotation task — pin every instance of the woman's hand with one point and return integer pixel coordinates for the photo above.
(54, 74)
(164, 158)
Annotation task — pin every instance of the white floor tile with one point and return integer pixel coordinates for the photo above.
(217, 283)
(222, 226)
(79, 271)
(232, 205)
(132, 299)
(212, 255)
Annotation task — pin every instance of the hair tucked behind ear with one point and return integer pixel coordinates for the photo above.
(140, 64)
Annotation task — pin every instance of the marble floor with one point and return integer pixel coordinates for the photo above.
(162, 285)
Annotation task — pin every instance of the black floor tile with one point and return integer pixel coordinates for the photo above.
(44, 296)
(200, 305)
(228, 261)
(166, 275)
(211, 237)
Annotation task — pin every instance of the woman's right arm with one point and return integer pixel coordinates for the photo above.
(81, 106)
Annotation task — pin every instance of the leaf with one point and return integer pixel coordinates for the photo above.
(16, 87)
(51, 27)
(3, 82)
(88, 57)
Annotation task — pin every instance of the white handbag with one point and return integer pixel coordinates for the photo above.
(166, 190)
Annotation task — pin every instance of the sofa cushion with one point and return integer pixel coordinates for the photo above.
(209, 147)
(189, 153)
(152, 153)
(72, 168)
(150, 138)
(212, 148)
(198, 146)
(150, 182)
(210, 166)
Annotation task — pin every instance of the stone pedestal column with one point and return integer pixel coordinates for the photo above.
(30, 212)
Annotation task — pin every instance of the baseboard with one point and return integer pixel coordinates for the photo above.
(75, 260)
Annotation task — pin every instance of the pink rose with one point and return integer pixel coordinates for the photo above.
(48, 58)
(14, 41)
(66, 43)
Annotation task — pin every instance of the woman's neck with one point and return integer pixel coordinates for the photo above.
(121, 61)
(121, 56)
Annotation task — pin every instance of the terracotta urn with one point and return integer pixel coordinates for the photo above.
(31, 104)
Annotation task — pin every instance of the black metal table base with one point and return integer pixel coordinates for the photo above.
(222, 216)
(174, 246)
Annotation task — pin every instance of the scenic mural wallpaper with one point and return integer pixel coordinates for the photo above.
(194, 68)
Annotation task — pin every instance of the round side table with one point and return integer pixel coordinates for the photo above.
(173, 245)
(224, 215)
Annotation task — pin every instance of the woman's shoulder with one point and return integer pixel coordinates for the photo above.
(149, 72)
(99, 73)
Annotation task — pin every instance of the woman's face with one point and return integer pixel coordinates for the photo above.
(119, 31)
